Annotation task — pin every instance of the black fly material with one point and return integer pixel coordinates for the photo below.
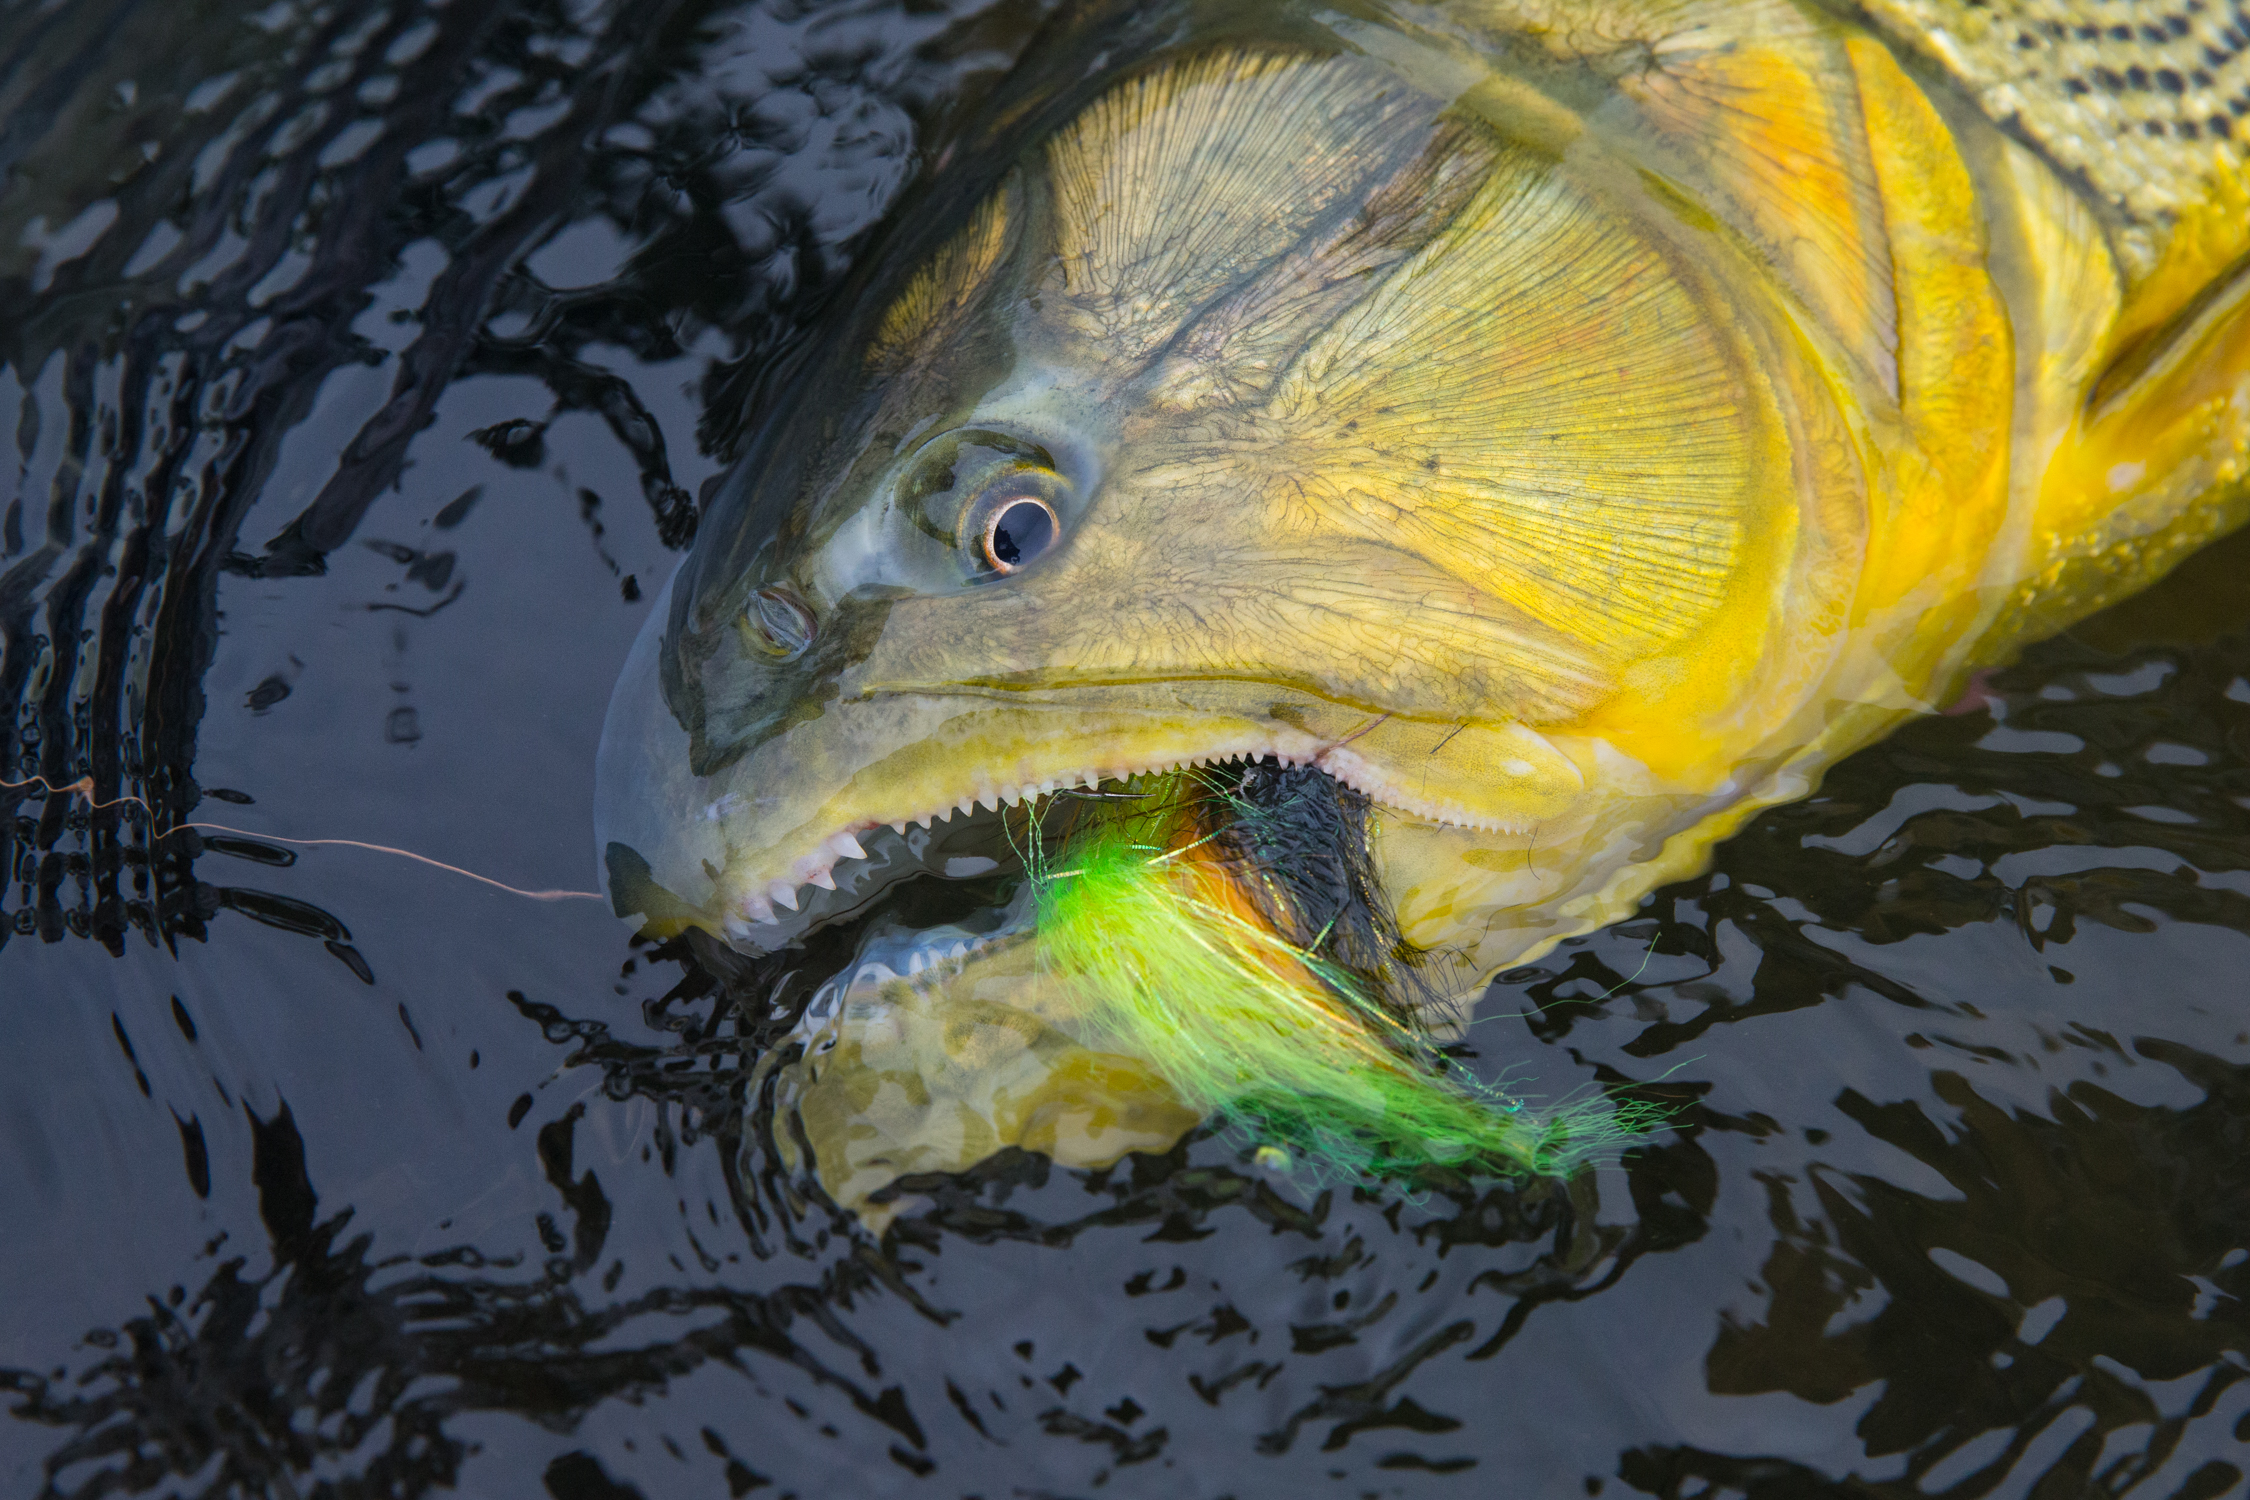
(1297, 841)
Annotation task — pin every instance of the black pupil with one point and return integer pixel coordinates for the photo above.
(1022, 533)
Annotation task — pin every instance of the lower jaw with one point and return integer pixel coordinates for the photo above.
(891, 950)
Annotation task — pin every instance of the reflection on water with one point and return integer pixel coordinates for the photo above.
(362, 361)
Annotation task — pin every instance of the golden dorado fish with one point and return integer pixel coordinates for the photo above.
(1569, 425)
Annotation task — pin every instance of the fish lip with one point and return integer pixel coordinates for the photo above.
(768, 899)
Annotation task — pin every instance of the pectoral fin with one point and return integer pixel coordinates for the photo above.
(2157, 464)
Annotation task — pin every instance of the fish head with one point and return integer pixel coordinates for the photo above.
(1278, 404)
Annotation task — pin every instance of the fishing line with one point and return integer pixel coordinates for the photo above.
(1608, 994)
(83, 789)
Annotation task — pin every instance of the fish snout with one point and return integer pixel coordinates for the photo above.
(736, 682)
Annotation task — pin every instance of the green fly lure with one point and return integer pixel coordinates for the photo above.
(1258, 1000)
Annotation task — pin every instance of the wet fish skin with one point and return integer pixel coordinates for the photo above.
(1575, 425)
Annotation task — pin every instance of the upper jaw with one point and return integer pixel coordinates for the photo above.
(742, 849)
(774, 871)
(773, 874)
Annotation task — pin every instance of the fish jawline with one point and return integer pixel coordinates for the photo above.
(766, 907)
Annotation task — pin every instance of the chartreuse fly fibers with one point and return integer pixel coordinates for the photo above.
(1173, 960)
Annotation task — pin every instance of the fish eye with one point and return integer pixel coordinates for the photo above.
(995, 498)
(1020, 528)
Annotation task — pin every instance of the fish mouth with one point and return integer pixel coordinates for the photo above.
(986, 827)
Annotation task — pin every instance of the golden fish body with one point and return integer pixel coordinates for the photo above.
(1573, 425)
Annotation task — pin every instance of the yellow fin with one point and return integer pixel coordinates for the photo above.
(2157, 465)
(1946, 496)
(2069, 294)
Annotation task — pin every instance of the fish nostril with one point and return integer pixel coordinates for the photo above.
(781, 624)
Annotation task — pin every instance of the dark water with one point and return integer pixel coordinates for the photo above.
(363, 365)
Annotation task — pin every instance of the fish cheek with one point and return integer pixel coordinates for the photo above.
(1044, 624)
(1183, 573)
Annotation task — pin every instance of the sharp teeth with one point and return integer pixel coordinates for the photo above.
(924, 820)
(737, 930)
(917, 962)
(899, 828)
(825, 879)
(758, 909)
(784, 895)
(846, 845)
(960, 950)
